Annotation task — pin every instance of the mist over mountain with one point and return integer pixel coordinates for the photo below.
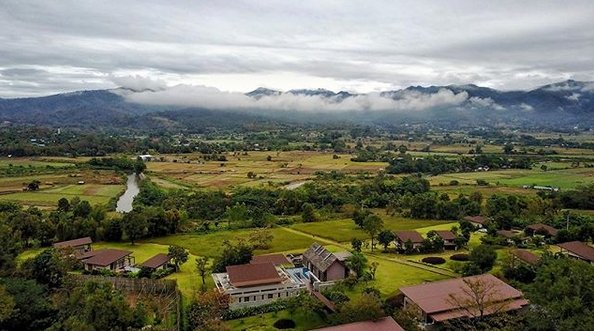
(568, 103)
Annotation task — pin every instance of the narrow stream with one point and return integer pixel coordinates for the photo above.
(124, 204)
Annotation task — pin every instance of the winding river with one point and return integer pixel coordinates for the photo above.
(124, 204)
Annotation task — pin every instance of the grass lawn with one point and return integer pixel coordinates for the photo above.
(345, 229)
(264, 322)
(93, 193)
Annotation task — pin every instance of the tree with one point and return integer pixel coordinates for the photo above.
(477, 299)
(544, 167)
(63, 205)
(260, 238)
(32, 309)
(82, 209)
(236, 214)
(508, 148)
(139, 166)
(33, 186)
(178, 255)
(483, 256)
(48, 268)
(359, 216)
(233, 254)
(206, 308)
(202, 269)
(305, 303)
(373, 269)
(357, 263)
(363, 308)
(402, 149)
(386, 237)
(409, 247)
(134, 225)
(9, 249)
(356, 244)
(372, 225)
(308, 213)
(6, 304)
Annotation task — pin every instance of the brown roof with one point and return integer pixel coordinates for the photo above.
(74, 242)
(320, 257)
(476, 219)
(446, 235)
(551, 231)
(156, 261)
(405, 236)
(253, 274)
(436, 298)
(526, 256)
(580, 249)
(276, 259)
(105, 257)
(507, 233)
(384, 324)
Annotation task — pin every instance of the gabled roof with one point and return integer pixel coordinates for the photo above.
(384, 324)
(551, 231)
(105, 257)
(320, 257)
(156, 261)
(405, 236)
(446, 235)
(526, 256)
(476, 219)
(276, 259)
(74, 242)
(253, 274)
(580, 249)
(437, 298)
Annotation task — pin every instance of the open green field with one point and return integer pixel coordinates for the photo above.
(93, 193)
(516, 178)
(345, 229)
(284, 168)
(264, 322)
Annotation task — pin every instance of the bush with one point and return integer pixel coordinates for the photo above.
(258, 310)
(335, 296)
(454, 182)
(460, 257)
(284, 324)
(434, 260)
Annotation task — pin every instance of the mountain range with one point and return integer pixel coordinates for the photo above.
(565, 104)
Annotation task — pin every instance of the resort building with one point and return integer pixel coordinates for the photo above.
(276, 259)
(159, 261)
(449, 239)
(578, 250)
(541, 229)
(524, 256)
(383, 324)
(115, 260)
(402, 237)
(78, 246)
(325, 265)
(478, 221)
(453, 298)
(256, 284)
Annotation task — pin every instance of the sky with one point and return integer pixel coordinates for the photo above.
(49, 47)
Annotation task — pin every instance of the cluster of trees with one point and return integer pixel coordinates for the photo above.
(435, 164)
(121, 163)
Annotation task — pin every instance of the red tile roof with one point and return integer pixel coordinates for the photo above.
(105, 257)
(526, 256)
(446, 235)
(384, 324)
(580, 249)
(551, 231)
(253, 274)
(405, 236)
(276, 259)
(437, 298)
(74, 242)
(156, 261)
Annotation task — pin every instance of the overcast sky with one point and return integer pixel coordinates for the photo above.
(359, 46)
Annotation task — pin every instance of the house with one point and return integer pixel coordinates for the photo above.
(478, 221)
(404, 236)
(159, 261)
(509, 235)
(449, 239)
(525, 256)
(452, 298)
(115, 260)
(325, 265)
(276, 259)
(145, 157)
(540, 229)
(383, 324)
(79, 246)
(251, 285)
(578, 250)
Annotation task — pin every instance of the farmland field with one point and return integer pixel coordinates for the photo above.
(284, 168)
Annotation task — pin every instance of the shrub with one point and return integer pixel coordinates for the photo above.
(460, 257)
(454, 182)
(284, 323)
(434, 260)
(335, 296)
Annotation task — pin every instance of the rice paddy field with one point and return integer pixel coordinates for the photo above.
(284, 168)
